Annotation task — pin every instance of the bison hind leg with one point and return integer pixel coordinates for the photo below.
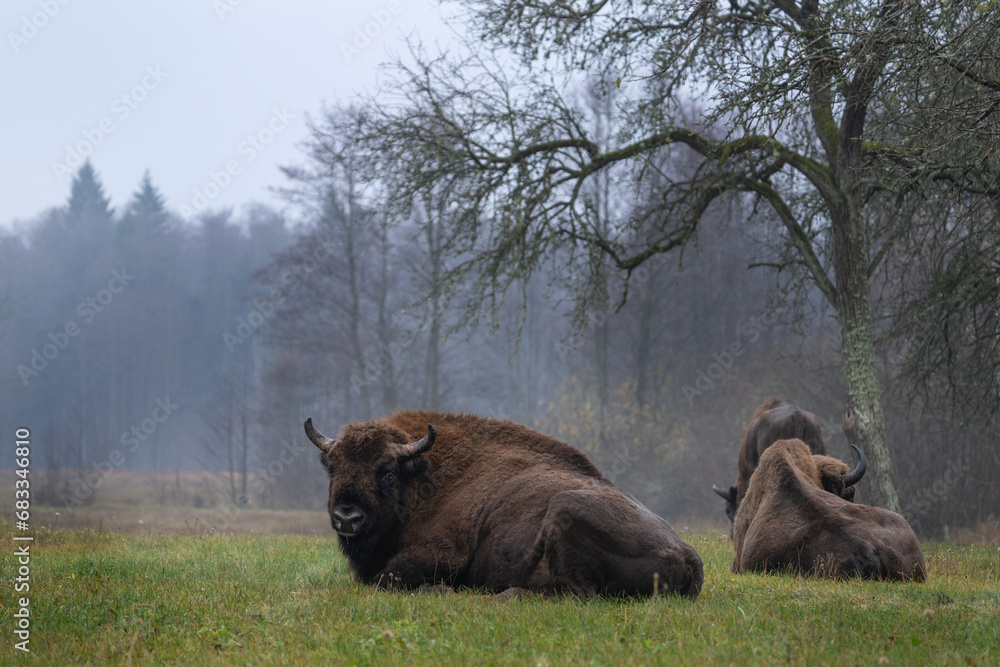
(603, 542)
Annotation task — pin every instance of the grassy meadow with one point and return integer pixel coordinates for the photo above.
(155, 596)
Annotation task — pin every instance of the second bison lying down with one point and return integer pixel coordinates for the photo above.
(795, 517)
(491, 504)
(773, 420)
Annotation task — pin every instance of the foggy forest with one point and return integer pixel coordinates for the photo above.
(140, 339)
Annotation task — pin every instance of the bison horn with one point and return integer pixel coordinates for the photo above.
(318, 439)
(722, 492)
(420, 446)
(853, 477)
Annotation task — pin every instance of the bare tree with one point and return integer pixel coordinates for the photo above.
(334, 272)
(230, 419)
(947, 324)
(808, 112)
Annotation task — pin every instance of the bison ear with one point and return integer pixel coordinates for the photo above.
(415, 467)
(834, 485)
(848, 494)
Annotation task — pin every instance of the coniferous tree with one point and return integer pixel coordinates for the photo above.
(145, 210)
(87, 198)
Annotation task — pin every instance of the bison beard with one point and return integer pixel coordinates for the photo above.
(773, 420)
(490, 504)
(795, 517)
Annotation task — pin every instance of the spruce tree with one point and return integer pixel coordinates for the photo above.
(145, 210)
(87, 198)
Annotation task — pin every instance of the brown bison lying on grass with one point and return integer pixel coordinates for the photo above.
(795, 517)
(491, 504)
(773, 420)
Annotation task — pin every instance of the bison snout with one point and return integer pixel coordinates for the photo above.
(347, 520)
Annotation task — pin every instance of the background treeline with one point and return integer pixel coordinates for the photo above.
(136, 340)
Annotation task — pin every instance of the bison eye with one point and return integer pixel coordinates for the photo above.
(389, 477)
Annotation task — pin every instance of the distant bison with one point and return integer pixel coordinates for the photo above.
(795, 517)
(490, 504)
(773, 420)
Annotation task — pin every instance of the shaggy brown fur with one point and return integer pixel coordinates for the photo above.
(789, 520)
(493, 504)
(773, 420)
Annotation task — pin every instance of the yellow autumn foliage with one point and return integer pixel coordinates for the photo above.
(627, 437)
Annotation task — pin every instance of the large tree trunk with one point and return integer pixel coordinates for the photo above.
(433, 364)
(603, 390)
(432, 386)
(864, 423)
(351, 251)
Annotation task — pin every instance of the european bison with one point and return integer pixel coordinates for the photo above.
(796, 516)
(490, 504)
(773, 420)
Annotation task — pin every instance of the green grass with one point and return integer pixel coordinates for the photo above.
(250, 599)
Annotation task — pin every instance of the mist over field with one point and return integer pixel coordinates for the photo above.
(180, 290)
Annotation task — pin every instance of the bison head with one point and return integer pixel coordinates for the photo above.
(834, 475)
(372, 467)
(728, 495)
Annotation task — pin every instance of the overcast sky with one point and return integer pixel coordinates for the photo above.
(182, 88)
